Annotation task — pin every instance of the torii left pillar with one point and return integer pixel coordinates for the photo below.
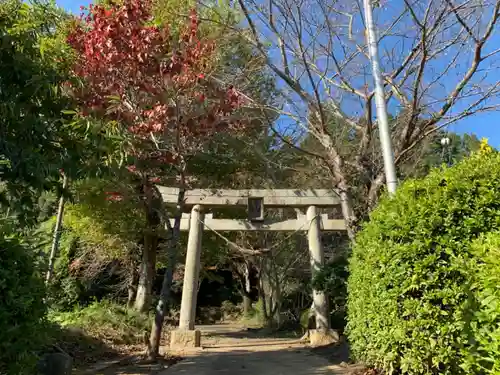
(186, 335)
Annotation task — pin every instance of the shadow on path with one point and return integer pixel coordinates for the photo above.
(292, 361)
(236, 351)
(245, 333)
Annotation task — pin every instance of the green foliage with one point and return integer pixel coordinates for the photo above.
(304, 319)
(65, 290)
(95, 235)
(98, 221)
(432, 154)
(484, 271)
(409, 288)
(230, 310)
(22, 310)
(30, 103)
(107, 321)
(38, 134)
(255, 317)
(174, 13)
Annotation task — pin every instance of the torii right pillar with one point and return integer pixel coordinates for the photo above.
(322, 335)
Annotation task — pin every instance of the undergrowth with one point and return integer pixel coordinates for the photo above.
(101, 330)
(110, 322)
(254, 318)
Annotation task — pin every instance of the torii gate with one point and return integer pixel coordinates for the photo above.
(256, 200)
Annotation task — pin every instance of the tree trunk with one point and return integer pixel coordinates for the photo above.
(336, 167)
(262, 295)
(132, 287)
(247, 305)
(147, 268)
(147, 273)
(375, 186)
(269, 293)
(348, 211)
(276, 287)
(247, 301)
(161, 308)
(57, 231)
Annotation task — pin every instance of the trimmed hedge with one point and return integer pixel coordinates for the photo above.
(411, 296)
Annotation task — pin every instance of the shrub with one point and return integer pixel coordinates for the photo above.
(95, 249)
(304, 319)
(230, 310)
(256, 316)
(22, 310)
(65, 290)
(409, 288)
(484, 355)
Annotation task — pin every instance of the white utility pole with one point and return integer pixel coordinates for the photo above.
(383, 122)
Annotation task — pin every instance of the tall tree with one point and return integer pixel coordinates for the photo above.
(38, 136)
(158, 90)
(435, 64)
(155, 88)
(427, 154)
(33, 135)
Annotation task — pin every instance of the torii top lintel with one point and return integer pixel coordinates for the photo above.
(270, 197)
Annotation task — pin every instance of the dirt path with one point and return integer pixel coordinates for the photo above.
(232, 350)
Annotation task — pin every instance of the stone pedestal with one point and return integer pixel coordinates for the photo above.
(323, 337)
(185, 338)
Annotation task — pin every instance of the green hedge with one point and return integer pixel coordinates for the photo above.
(484, 355)
(22, 311)
(411, 301)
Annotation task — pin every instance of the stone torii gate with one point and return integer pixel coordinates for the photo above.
(256, 200)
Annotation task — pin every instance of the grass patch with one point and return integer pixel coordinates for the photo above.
(254, 318)
(251, 320)
(109, 322)
(102, 330)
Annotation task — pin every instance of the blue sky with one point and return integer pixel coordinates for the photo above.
(483, 125)
(71, 5)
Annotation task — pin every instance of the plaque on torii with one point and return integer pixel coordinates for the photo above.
(255, 209)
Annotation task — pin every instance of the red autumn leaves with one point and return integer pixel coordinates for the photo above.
(157, 87)
(135, 72)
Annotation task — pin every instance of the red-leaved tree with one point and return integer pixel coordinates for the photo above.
(161, 93)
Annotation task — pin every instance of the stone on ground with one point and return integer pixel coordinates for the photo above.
(55, 364)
